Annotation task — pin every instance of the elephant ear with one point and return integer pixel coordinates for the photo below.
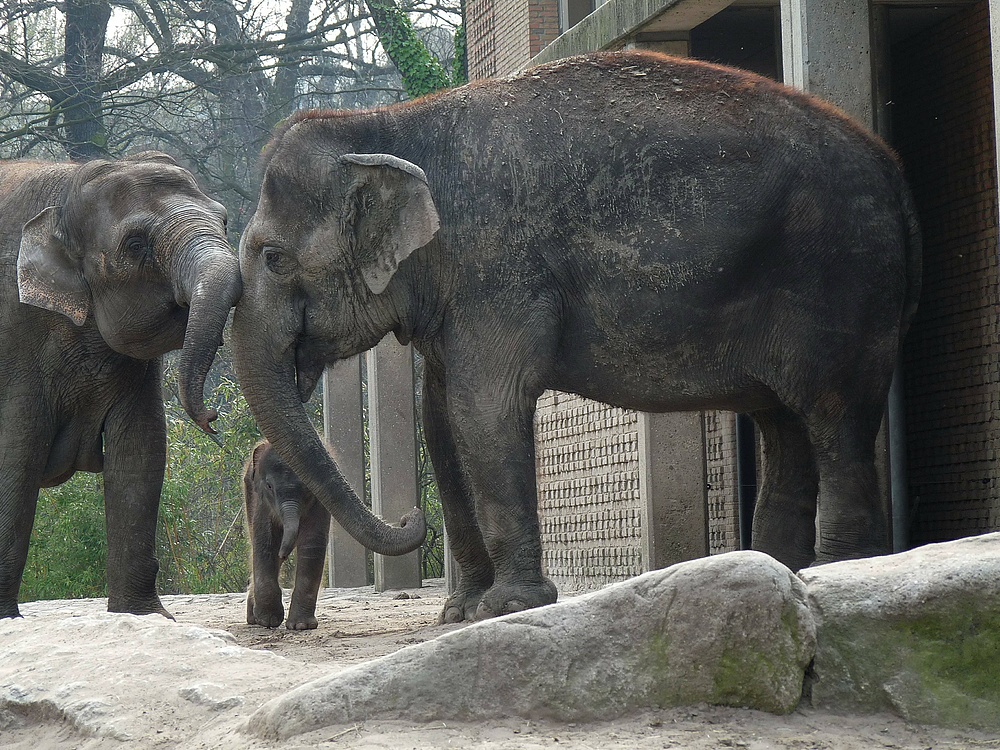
(47, 274)
(253, 464)
(388, 213)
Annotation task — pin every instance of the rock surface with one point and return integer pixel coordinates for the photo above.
(917, 633)
(728, 630)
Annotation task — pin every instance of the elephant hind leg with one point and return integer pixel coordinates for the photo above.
(852, 521)
(784, 521)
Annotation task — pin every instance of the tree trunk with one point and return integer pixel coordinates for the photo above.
(82, 110)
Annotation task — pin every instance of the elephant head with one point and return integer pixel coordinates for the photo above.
(269, 481)
(317, 260)
(137, 248)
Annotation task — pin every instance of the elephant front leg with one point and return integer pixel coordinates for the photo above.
(497, 445)
(135, 457)
(264, 605)
(465, 540)
(310, 555)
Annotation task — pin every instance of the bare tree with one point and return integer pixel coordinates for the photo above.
(206, 80)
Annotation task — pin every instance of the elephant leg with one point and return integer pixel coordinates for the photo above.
(310, 556)
(851, 519)
(134, 461)
(784, 520)
(18, 500)
(465, 540)
(264, 605)
(491, 405)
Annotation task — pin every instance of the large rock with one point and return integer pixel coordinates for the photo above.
(731, 630)
(917, 633)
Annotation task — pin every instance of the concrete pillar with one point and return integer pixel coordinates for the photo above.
(826, 50)
(343, 428)
(672, 487)
(392, 434)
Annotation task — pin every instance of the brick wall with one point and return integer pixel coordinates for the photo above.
(943, 129)
(522, 27)
(587, 462)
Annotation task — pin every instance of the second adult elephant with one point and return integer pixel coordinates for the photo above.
(104, 267)
(655, 233)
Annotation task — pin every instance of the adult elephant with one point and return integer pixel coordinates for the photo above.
(654, 233)
(105, 266)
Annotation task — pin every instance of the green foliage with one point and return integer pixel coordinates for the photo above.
(422, 73)
(68, 548)
(459, 66)
(201, 540)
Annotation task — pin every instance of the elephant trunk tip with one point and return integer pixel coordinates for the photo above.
(415, 520)
(200, 415)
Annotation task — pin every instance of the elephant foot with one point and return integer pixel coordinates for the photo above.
(505, 598)
(301, 622)
(9, 609)
(143, 606)
(462, 605)
(265, 611)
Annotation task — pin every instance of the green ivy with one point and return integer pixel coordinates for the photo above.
(459, 67)
(422, 73)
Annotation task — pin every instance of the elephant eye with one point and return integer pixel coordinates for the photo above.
(137, 245)
(275, 259)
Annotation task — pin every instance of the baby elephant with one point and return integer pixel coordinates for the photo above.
(281, 515)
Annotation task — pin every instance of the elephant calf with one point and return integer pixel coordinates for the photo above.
(104, 267)
(655, 233)
(282, 515)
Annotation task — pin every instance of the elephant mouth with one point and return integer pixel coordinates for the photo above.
(308, 370)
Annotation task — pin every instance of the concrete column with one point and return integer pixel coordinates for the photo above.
(995, 49)
(343, 427)
(826, 50)
(392, 433)
(672, 487)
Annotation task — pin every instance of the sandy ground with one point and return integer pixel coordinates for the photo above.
(73, 676)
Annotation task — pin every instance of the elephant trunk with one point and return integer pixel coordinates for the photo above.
(290, 527)
(208, 279)
(269, 386)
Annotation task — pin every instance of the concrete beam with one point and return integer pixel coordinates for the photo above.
(611, 25)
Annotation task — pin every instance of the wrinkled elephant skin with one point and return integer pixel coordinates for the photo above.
(654, 233)
(282, 515)
(105, 267)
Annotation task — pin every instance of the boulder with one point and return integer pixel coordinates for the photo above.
(732, 629)
(917, 633)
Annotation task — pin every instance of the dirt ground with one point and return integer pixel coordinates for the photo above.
(127, 682)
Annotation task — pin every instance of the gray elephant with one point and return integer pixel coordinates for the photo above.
(105, 267)
(282, 515)
(654, 233)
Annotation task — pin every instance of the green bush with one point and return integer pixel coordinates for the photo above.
(69, 548)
